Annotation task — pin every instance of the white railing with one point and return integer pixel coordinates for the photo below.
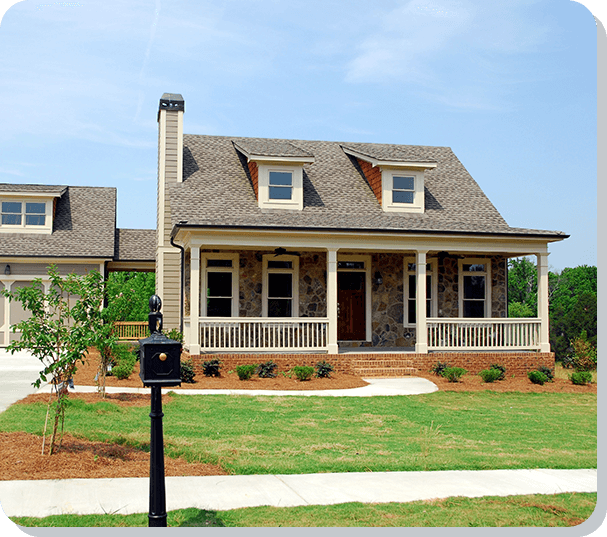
(483, 334)
(263, 334)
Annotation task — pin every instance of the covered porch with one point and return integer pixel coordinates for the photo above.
(430, 294)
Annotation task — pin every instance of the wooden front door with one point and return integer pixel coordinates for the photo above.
(351, 316)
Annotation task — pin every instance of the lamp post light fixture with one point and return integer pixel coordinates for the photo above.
(7, 270)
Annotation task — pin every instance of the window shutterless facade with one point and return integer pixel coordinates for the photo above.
(410, 290)
(28, 215)
(280, 288)
(219, 285)
(402, 190)
(280, 187)
(475, 290)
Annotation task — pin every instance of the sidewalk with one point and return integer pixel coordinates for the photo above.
(130, 495)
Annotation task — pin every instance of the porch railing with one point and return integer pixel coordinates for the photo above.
(263, 334)
(483, 334)
(131, 330)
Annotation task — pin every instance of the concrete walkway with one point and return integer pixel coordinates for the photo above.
(17, 372)
(130, 495)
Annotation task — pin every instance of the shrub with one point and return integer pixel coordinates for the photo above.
(584, 354)
(581, 378)
(267, 370)
(491, 375)
(211, 368)
(245, 372)
(303, 372)
(537, 377)
(324, 369)
(187, 372)
(453, 374)
(124, 360)
(174, 334)
(547, 371)
(439, 368)
(501, 369)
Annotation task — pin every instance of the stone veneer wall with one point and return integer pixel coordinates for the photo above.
(387, 306)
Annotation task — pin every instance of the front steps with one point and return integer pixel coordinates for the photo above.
(383, 367)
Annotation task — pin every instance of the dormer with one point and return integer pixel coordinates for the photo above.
(28, 208)
(395, 177)
(276, 170)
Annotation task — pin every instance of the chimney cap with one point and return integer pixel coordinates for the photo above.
(172, 101)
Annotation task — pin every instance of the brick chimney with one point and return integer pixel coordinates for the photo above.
(170, 170)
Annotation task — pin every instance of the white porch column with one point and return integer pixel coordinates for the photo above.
(542, 301)
(332, 300)
(421, 327)
(194, 342)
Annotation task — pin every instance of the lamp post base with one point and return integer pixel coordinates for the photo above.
(157, 516)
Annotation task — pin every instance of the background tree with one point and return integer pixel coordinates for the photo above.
(63, 321)
(128, 295)
(522, 288)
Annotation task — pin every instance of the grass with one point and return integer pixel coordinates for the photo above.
(287, 435)
(490, 511)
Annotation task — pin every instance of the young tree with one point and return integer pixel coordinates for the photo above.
(63, 321)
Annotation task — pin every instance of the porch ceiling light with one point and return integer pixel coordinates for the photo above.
(280, 251)
(378, 279)
(7, 270)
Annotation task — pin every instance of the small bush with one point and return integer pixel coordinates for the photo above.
(324, 369)
(124, 361)
(267, 370)
(439, 368)
(245, 372)
(211, 368)
(187, 372)
(303, 372)
(491, 375)
(501, 369)
(537, 377)
(584, 354)
(174, 334)
(547, 371)
(453, 374)
(581, 378)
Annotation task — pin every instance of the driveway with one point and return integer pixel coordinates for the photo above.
(17, 372)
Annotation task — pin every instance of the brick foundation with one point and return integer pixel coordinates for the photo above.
(388, 364)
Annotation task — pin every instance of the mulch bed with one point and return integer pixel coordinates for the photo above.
(21, 458)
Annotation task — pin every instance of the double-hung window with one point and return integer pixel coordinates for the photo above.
(280, 185)
(410, 289)
(281, 286)
(475, 290)
(403, 189)
(220, 282)
(23, 213)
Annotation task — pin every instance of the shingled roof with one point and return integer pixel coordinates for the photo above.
(83, 226)
(217, 190)
(135, 245)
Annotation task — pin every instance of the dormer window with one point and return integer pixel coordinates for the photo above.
(26, 216)
(280, 185)
(395, 177)
(276, 170)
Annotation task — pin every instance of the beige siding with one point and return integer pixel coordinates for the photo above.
(40, 270)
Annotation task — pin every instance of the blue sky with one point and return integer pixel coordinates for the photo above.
(510, 86)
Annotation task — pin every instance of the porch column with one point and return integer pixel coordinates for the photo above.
(332, 300)
(194, 300)
(542, 301)
(421, 327)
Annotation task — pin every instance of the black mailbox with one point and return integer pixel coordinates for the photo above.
(160, 356)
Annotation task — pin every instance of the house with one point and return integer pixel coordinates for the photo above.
(70, 226)
(333, 248)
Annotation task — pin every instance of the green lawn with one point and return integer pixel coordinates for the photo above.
(264, 434)
(515, 511)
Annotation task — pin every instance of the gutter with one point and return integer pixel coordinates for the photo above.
(182, 290)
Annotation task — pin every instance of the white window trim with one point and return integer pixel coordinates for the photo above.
(434, 299)
(387, 180)
(23, 228)
(263, 178)
(368, 298)
(295, 282)
(234, 269)
(487, 273)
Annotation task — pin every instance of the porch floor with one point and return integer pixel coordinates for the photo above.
(375, 350)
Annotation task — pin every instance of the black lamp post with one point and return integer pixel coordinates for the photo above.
(160, 366)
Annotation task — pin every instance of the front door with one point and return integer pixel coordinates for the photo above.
(351, 309)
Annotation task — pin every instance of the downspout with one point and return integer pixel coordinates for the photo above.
(182, 283)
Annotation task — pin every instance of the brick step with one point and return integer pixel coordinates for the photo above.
(382, 363)
(389, 372)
